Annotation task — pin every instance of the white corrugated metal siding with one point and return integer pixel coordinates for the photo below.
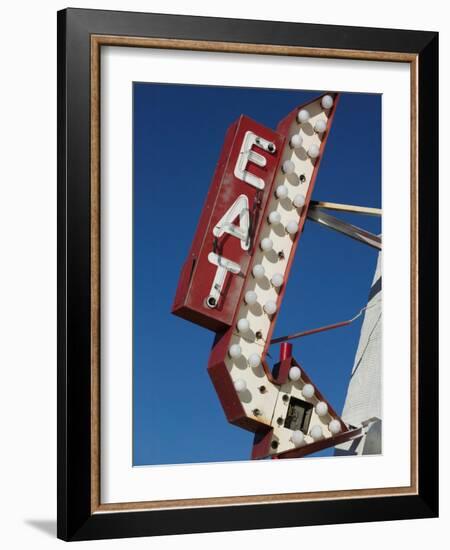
(363, 400)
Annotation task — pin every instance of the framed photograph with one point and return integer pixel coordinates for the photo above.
(247, 256)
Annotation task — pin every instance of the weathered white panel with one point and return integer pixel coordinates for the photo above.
(252, 398)
(363, 400)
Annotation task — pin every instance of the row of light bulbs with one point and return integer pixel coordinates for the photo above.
(266, 245)
(296, 140)
(274, 218)
(288, 167)
(258, 271)
(294, 375)
(303, 115)
(298, 437)
(321, 409)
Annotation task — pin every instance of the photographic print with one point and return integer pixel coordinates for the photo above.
(257, 274)
(247, 264)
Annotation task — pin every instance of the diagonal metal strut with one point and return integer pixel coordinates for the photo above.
(352, 231)
(350, 208)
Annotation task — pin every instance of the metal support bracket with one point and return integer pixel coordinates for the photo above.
(352, 231)
(350, 208)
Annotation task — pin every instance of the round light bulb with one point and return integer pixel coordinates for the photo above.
(327, 102)
(292, 227)
(266, 244)
(288, 167)
(320, 126)
(240, 385)
(281, 192)
(297, 438)
(303, 116)
(321, 408)
(277, 280)
(296, 141)
(235, 351)
(316, 432)
(270, 307)
(258, 271)
(313, 151)
(308, 391)
(334, 426)
(295, 374)
(254, 360)
(243, 325)
(299, 200)
(250, 297)
(274, 218)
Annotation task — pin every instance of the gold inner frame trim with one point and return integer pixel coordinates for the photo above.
(97, 41)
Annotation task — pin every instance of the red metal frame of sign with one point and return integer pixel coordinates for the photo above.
(198, 272)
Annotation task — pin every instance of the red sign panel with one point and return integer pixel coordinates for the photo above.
(213, 275)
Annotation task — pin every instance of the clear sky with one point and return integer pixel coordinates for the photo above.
(178, 135)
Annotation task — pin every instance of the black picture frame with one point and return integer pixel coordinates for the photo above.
(76, 518)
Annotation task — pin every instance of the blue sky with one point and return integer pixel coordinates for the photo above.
(178, 135)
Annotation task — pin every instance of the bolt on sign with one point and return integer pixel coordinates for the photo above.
(235, 276)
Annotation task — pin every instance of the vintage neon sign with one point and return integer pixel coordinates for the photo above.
(234, 279)
(213, 275)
